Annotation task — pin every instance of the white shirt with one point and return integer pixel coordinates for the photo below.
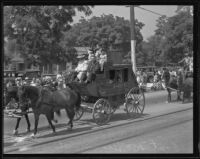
(82, 66)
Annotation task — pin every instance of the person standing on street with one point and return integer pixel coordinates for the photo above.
(166, 76)
(179, 83)
(186, 61)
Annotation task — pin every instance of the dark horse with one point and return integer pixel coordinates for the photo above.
(44, 101)
(12, 93)
(181, 83)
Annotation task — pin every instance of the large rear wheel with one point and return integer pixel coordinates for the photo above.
(135, 102)
(102, 111)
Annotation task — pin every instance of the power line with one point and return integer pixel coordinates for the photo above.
(151, 11)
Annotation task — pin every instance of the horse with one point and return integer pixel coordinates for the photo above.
(12, 93)
(45, 102)
(188, 86)
(181, 83)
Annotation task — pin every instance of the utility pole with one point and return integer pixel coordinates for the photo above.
(133, 38)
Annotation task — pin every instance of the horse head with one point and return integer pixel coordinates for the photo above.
(10, 94)
(27, 94)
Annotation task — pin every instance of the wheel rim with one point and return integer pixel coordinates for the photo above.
(135, 101)
(101, 112)
(78, 114)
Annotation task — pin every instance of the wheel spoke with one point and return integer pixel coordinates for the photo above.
(135, 101)
(138, 107)
(103, 111)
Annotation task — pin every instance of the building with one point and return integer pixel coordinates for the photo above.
(18, 63)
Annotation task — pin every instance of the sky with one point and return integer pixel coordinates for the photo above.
(148, 18)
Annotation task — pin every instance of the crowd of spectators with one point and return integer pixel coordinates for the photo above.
(160, 77)
(85, 72)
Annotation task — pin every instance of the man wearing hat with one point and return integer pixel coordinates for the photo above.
(186, 60)
(91, 55)
(82, 67)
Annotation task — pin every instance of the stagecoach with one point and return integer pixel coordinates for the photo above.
(113, 87)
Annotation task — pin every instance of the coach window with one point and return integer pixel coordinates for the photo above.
(125, 75)
(112, 75)
(118, 77)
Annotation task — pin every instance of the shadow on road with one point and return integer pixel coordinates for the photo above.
(120, 116)
(86, 125)
(6, 144)
(67, 132)
(45, 128)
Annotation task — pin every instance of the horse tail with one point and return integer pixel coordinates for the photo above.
(78, 103)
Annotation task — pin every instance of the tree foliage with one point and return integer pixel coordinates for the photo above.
(38, 30)
(105, 31)
(173, 37)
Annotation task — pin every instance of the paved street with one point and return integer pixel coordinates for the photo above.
(164, 128)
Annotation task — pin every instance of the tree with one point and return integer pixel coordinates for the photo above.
(38, 30)
(173, 37)
(106, 31)
(179, 36)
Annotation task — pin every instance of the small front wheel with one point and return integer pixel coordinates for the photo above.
(78, 114)
(102, 112)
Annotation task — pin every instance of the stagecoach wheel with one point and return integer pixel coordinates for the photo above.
(78, 114)
(135, 102)
(102, 111)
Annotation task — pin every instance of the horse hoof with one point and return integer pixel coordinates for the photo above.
(33, 135)
(28, 130)
(69, 128)
(55, 121)
(53, 133)
(15, 132)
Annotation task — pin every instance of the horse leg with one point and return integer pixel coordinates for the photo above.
(49, 117)
(36, 123)
(178, 95)
(28, 123)
(70, 114)
(169, 95)
(183, 100)
(52, 117)
(15, 132)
